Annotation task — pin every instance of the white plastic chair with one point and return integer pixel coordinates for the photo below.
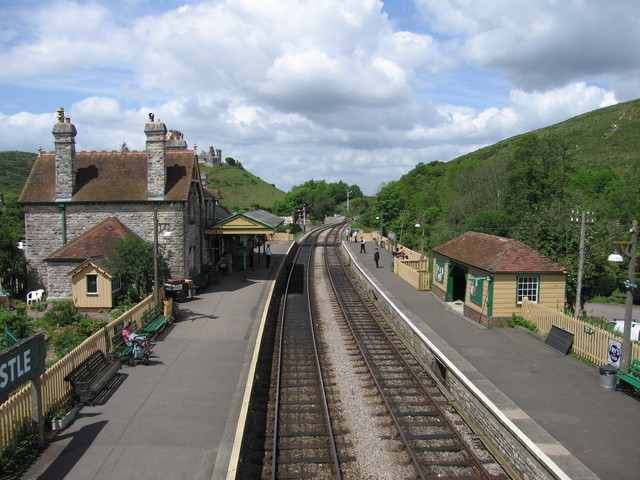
(34, 296)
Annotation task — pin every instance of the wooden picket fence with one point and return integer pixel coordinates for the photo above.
(590, 341)
(55, 391)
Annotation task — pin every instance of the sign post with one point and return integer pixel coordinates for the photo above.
(20, 363)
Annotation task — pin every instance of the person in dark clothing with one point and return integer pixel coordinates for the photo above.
(362, 250)
(376, 257)
(268, 255)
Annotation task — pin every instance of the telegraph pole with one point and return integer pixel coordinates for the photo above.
(584, 218)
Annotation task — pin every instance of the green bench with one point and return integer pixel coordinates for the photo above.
(119, 346)
(633, 377)
(153, 321)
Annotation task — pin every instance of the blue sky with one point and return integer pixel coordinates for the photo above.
(351, 90)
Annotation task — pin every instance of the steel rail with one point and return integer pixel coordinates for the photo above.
(408, 368)
(309, 244)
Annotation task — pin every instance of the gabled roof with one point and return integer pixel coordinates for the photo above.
(102, 264)
(95, 242)
(110, 177)
(252, 222)
(496, 254)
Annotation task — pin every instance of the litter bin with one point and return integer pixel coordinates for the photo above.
(607, 376)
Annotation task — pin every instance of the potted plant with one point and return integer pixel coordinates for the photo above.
(62, 417)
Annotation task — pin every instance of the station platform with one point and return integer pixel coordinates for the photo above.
(588, 431)
(177, 417)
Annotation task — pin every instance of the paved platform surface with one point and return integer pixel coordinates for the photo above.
(545, 392)
(176, 418)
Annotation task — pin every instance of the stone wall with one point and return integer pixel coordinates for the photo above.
(43, 226)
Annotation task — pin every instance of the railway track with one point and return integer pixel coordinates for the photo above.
(311, 433)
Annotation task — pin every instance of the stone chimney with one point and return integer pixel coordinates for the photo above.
(64, 137)
(156, 133)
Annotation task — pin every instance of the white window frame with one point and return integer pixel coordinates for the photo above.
(116, 284)
(528, 286)
(87, 284)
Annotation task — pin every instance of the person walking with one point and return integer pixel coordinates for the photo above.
(362, 250)
(376, 258)
(267, 252)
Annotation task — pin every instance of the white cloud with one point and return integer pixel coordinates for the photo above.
(306, 89)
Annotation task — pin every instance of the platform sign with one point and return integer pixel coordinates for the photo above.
(614, 352)
(22, 362)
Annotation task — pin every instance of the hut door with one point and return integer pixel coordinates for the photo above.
(459, 283)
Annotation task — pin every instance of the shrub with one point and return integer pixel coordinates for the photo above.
(65, 339)
(517, 320)
(17, 452)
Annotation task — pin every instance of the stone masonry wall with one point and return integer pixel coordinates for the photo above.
(43, 226)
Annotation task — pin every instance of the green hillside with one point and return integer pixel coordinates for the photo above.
(240, 189)
(15, 167)
(603, 138)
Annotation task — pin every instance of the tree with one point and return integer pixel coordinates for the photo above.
(133, 260)
(13, 265)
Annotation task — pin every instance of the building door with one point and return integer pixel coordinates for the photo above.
(458, 279)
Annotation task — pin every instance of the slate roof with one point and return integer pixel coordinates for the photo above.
(95, 242)
(496, 254)
(110, 177)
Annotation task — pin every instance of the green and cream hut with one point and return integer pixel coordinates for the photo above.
(491, 275)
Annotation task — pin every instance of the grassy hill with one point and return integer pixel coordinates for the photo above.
(240, 189)
(15, 167)
(607, 137)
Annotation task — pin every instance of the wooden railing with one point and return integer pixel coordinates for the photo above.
(55, 391)
(591, 346)
(414, 272)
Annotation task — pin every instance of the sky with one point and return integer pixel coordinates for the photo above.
(358, 91)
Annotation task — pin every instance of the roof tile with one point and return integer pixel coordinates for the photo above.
(496, 254)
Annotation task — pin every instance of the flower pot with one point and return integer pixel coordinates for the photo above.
(62, 423)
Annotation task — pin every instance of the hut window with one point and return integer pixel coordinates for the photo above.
(116, 284)
(528, 287)
(92, 284)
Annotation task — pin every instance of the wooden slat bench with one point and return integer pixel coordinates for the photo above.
(153, 321)
(633, 377)
(120, 347)
(92, 375)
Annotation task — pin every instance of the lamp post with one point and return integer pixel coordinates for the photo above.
(422, 246)
(348, 193)
(381, 218)
(166, 233)
(629, 250)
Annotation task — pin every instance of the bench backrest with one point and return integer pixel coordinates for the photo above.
(150, 315)
(634, 368)
(88, 368)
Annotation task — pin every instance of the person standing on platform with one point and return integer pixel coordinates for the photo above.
(229, 264)
(362, 250)
(376, 257)
(267, 253)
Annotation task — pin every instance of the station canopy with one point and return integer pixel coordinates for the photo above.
(254, 222)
